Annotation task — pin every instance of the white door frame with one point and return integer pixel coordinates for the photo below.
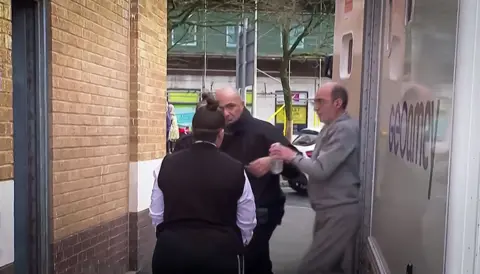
(372, 51)
(462, 240)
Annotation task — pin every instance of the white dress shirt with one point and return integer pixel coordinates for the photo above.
(246, 216)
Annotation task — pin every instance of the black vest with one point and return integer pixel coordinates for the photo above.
(201, 187)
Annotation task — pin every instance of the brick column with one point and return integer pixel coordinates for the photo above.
(148, 42)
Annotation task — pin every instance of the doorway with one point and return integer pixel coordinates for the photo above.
(31, 89)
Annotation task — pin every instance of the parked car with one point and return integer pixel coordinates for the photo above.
(305, 143)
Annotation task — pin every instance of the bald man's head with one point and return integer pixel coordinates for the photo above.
(331, 101)
(227, 93)
(231, 103)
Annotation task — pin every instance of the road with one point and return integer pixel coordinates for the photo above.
(292, 238)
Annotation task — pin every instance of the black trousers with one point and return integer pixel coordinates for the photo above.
(171, 145)
(176, 254)
(257, 256)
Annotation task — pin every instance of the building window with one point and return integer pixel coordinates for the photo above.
(294, 34)
(346, 56)
(231, 36)
(184, 35)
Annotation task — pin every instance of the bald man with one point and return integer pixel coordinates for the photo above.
(248, 140)
(333, 185)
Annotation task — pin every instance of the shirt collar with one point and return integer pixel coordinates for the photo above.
(205, 142)
(342, 117)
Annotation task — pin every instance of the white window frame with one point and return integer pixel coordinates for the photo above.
(189, 44)
(228, 35)
(301, 45)
(463, 224)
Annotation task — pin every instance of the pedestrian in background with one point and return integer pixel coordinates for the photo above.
(333, 186)
(168, 124)
(174, 133)
(203, 210)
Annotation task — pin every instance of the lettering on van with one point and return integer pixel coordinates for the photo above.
(413, 134)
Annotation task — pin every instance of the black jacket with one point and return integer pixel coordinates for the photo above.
(249, 139)
(184, 142)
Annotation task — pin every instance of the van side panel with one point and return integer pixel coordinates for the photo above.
(348, 41)
(413, 132)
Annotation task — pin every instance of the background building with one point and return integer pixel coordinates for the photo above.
(204, 58)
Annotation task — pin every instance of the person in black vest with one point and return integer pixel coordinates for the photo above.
(248, 140)
(202, 204)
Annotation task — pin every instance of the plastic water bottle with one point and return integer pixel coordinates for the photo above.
(277, 165)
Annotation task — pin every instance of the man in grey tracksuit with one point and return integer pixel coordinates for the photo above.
(333, 185)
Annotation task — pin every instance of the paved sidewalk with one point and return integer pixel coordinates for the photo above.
(292, 238)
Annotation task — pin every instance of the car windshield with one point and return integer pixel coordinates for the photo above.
(305, 138)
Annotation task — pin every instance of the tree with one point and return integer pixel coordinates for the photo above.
(297, 19)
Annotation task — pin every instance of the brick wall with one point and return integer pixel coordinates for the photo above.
(6, 114)
(108, 108)
(89, 113)
(142, 242)
(148, 79)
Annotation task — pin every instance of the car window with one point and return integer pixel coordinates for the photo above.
(305, 139)
(309, 131)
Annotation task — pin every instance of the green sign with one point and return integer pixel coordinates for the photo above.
(183, 96)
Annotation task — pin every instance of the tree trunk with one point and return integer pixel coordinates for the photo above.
(289, 129)
(287, 97)
(287, 92)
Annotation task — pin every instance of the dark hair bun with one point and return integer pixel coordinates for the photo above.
(212, 104)
(205, 96)
(208, 120)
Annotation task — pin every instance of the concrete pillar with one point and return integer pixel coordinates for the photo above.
(349, 26)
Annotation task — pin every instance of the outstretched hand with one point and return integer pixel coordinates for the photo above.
(281, 152)
(260, 167)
